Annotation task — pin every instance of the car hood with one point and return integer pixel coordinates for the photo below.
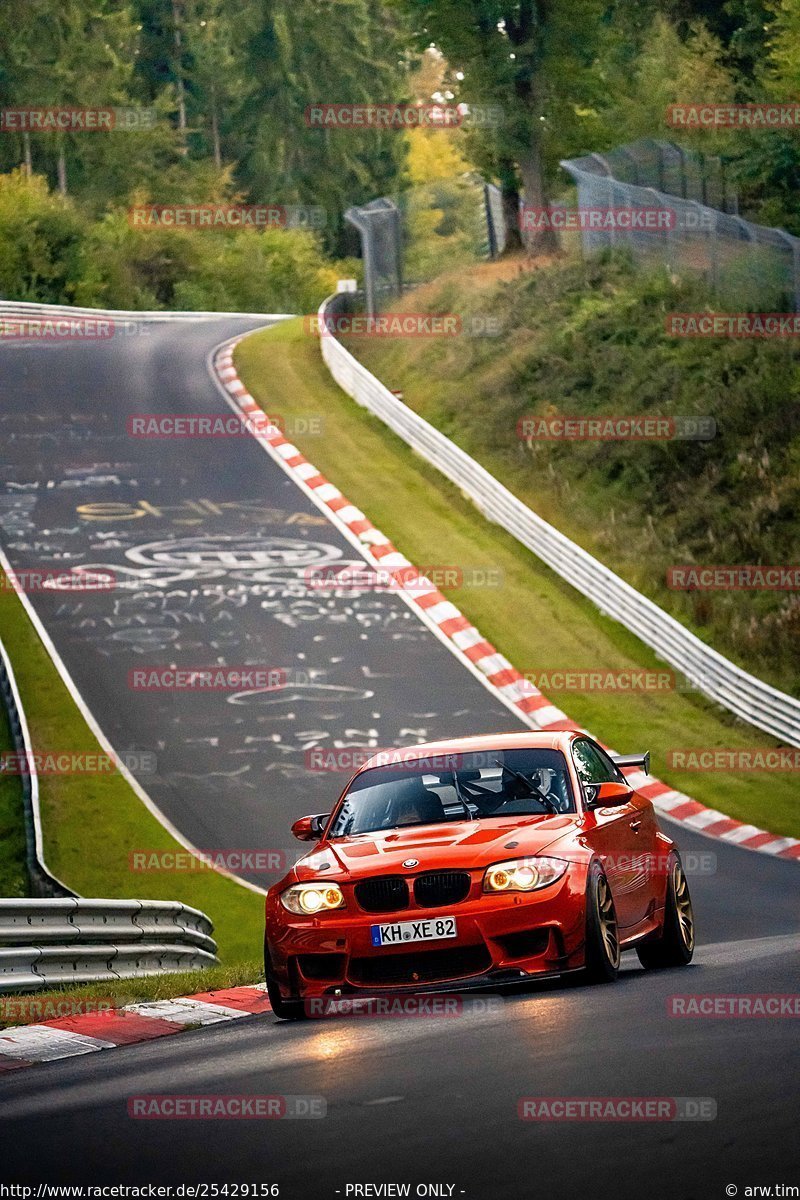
(464, 844)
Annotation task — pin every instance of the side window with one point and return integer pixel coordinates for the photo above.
(592, 765)
(614, 773)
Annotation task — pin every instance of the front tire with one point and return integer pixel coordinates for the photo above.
(284, 1010)
(674, 946)
(602, 931)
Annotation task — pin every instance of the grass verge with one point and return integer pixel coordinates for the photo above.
(91, 823)
(588, 339)
(539, 622)
(13, 873)
(32, 1007)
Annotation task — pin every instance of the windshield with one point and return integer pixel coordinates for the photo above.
(477, 786)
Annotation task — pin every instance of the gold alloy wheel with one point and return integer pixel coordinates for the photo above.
(683, 907)
(608, 921)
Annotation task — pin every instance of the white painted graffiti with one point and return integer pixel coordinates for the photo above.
(231, 552)
(319, 692)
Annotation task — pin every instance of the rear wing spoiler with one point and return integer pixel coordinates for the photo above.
(633, 760)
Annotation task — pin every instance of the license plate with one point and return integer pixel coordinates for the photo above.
(400, 932)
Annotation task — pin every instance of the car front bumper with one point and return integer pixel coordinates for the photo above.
(501, 938)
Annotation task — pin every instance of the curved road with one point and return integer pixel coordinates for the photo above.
(409, 1101)
(208, 542)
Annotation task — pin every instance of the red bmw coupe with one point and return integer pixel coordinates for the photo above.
(479, 861)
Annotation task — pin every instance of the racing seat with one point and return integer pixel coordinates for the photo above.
(417, 805)
(430, 806)
(554, 784)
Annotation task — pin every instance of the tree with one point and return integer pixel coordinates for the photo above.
(195, 50)
(216, 84)
(67, 54)
(769, 162)
(667, 69)
(529, 58)
(242, 77)
(321, 51)
(783, 63)
(740, 25)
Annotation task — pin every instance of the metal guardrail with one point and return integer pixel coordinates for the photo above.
(711, 673)
(47, 943)
(57, 937)
(22, 309)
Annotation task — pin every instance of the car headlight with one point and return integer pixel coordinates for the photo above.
(523, 874)
(307, 899)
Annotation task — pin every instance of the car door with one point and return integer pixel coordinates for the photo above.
(614, 834)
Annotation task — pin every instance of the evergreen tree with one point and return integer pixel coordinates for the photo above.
(321, 51)
(529, 58)
(69, 54)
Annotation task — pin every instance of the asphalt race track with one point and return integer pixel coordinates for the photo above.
(408, 1100)
(208, 542)
(435, 1100)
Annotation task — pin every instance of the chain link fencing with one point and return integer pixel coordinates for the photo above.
(747, 265)
(690, 174)
(451, 224)
(423, 231)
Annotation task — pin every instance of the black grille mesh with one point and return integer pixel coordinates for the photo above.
(389, 893)
(439, 888)
(426, 966)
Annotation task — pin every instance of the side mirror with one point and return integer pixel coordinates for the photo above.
(608, 795)
(309, 829)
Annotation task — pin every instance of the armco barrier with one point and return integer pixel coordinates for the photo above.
(711, 673)
(46, 943)
(24, 309)
(74, 919)
(31, 968)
